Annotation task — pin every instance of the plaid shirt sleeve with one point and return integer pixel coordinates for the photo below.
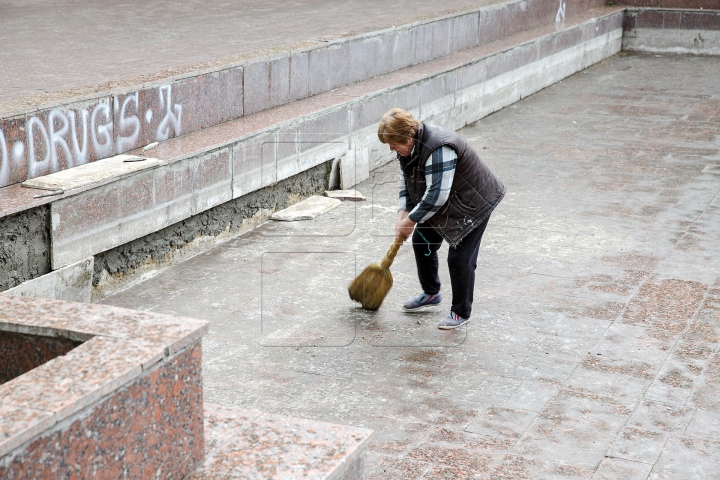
(439, 173)
(404, 202)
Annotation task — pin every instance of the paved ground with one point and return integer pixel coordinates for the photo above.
(593, 350)
(51, 45)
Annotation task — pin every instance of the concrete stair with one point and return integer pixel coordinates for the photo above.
(200, 170)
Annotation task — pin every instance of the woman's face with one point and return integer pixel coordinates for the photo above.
(403, 149)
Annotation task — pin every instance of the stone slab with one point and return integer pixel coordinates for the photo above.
(307, 209)
(250, 444)
(352, 195)
(72, 283)
(95, 173)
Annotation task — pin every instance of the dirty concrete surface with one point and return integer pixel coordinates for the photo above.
(76, 43)
(593, 346)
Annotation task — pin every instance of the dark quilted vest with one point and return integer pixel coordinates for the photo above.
(475, 190)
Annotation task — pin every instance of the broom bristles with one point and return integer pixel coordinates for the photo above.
(371, 287)
(374, 283)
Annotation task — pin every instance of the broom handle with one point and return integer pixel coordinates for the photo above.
(390, 255)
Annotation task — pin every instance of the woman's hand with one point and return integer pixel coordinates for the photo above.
(404, 226)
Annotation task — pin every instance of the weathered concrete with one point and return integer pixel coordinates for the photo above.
(352, 195)
(307, 209)
(119, 266)
(672, 31)
(205, 169)
(49, 132)
(593, 346)
(96, 173)
(24, 246)
(72, 283)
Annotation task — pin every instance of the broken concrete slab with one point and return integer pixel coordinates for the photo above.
(307, 209)
(72, 283)
(352, 195)
(91, 173)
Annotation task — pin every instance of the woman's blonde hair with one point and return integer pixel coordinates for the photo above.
(397, 126)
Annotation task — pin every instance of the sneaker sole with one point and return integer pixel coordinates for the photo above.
(421, 308)
(450, 327)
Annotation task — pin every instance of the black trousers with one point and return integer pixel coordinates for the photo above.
(462, 262)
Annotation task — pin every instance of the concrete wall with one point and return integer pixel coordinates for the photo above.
(453, 95)
(49, 138)
(672, 31)
(24, 246)
(72, 283)
(114, 267)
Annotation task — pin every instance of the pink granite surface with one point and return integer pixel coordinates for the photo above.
(249, 444)
(131, 364)
(21, 353)
(151, 428)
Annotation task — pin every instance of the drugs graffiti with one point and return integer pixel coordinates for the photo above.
(52, 140)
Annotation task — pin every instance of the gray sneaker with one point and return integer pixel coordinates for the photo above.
(421, 301)
(453, 320)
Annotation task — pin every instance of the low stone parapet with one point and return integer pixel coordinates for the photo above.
(665, 30)
(110, 392)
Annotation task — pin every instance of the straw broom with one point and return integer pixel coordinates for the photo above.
(373, 284)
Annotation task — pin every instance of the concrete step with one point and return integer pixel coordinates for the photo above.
(204, 169)
(215, 166)
(241, 443)
(51, 132)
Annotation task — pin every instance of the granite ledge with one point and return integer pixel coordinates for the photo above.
(250, 444)
(119, 345)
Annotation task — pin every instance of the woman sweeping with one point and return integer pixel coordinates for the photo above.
(446, 193)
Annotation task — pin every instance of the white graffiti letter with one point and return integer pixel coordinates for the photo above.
(172, 115)
(80, 154)
(35, 168)
(125, 143)
(57, 138)
(560, 17)
(104, 149)
(4, 167)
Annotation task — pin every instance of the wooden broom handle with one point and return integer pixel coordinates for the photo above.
(390, 255)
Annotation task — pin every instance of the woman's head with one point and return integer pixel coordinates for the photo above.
(398, 129)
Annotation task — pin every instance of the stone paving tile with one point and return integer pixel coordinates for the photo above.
(532, 395)
(596, 319)
(502, 422)
(704, 425)
(638, 445)
(689, 459)
(616, 468)
(574, 428)
(518, 467)
(661, 417)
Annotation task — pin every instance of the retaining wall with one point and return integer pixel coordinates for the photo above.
(65, 130)
(662, 30)
(24, 246)
(247, 154)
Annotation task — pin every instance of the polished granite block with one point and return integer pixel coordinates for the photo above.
(151, 426)
(132, 385)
